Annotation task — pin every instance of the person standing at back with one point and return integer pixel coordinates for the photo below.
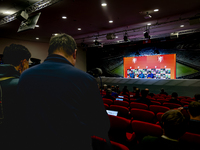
(16, 60)
(63, 105)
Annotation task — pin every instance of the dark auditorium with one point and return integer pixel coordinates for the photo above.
(99, 75)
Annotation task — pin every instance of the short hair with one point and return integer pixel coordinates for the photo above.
(194, 108)
(162, 90)
(62, 41)
(174, 94)
(108, 91)
(173, 123)
(14, 53)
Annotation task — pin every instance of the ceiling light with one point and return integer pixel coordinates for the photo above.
(110, 21)
(103, 4)
(37, 38)
(116, 36)
(64, 17)
(156, 10)
(147, 16)
(181, 26)
(79, 29)
(37, 26)
(149, 24)
(8, 12)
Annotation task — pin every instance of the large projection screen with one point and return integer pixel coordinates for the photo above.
(161, 66)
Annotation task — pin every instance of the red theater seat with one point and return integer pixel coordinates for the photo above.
(191, 140)
(107, 101)
(143, 115)
(159, 116)
(121, 103)
(138, 105)
(141, 129)
(106, 106)
(122, 111)
(99, 143)
(171, 105)
(157, 108)
(118, 128)
(162, 101)
(155, 103)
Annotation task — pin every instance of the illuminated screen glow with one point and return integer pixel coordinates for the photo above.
(161, 66)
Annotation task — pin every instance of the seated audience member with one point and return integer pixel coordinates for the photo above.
(194, 112)
(16, 60)
(149, 94)
(163, 92)
(150, 75)
(141, 75)
(104, 87)
(143, 98)
(114, 93)
(125, 91)
(174, 99)
(173, 124)
(117, 89)
(108, 94)
(134, 89)
(137, 93)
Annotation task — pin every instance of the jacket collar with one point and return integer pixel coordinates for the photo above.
(57, 58)
(7, 70)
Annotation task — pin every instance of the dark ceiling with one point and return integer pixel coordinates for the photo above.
(93, 19)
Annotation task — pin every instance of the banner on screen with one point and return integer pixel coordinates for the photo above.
(155, 67)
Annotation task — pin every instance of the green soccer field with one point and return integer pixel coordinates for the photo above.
(181, 70)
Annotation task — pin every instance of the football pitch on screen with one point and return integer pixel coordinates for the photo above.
(181, 70)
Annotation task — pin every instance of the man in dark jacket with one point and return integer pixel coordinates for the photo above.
(63, 105)
(16, 60)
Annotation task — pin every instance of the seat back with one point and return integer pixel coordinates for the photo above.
(107, 101)
(171, 105)
(142, 129)
(190, 138)
(122, 111)
(162, 100)
(155, 103)
(159, 116)
(143, 115)
(138, 105)
(157, 108)
(121, 103)
(106, 106)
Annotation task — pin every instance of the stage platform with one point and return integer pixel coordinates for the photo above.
(184, 87)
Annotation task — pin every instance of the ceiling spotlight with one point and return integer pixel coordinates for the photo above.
(103, 4)
(64, 17)
(37, 38)
(116, 36)
(110, 21)
(37, 26)
(156, 10)
(79, 29)
(149, 24)
(146, 35)
(96, 42)
(126, 37)
(181, 26)
(147, 16)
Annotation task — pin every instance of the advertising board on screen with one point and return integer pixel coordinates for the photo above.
(155, 67)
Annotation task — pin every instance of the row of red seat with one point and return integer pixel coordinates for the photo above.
(120, 132)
